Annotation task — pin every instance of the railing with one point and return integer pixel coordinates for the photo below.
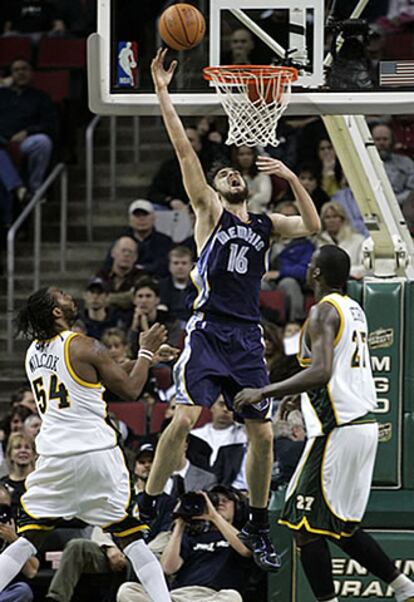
(89, 135)
(35, 204)
(90, 180)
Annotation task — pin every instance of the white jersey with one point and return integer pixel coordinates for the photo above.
(350, 393)
(73, 411)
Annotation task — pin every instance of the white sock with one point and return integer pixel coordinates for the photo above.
(13, 559)
(403, 587)
(148, 570)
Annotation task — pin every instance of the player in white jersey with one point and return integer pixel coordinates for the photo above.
(81, 470)
(329, 491)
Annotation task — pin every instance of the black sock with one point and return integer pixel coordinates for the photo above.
(363, 548)
(258, 517)
(317, 564)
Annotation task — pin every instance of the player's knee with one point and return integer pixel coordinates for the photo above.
(261, 437)
(183, 422)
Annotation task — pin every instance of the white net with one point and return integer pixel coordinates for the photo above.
(254, 99)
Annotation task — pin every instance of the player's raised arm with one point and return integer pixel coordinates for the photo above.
(195, 182)
(293, 226)
(87, 353)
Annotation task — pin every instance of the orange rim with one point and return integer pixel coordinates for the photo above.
(248, 73)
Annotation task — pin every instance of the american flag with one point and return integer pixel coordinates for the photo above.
(396, 73)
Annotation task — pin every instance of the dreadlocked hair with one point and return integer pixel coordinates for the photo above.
(35, 319)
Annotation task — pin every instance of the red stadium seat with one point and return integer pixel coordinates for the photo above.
(60, 53)
(275, 300)
(54, 83)
(205, 416)
(309, 301)
(157, 416)
(163, 377)
(14, 47)
(132, 413)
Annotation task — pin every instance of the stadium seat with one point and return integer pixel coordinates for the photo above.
(309, 301)
(14, 47)
(54, 83)
(157, 416)
(399, 46)
(163, 377)
(60, 53)
(275, 300)
(205, 416)
(132, 413)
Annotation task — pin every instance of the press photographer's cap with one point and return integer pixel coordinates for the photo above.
(146, 449)
(141, 205)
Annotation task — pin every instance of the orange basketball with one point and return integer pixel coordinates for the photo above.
(182, 26)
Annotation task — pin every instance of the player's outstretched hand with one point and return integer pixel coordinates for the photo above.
(165, 353)
(270, 166)
(247, 397)
(287, 405)
(153, 338)
(160, 75)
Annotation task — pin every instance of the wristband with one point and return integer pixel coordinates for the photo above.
(146, 354)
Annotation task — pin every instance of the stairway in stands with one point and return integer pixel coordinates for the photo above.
(110, 216)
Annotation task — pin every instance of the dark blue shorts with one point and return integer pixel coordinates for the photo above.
(221, 358)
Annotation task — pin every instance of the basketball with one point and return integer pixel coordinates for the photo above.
(182, 26)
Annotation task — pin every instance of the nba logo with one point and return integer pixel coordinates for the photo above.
(126, 72)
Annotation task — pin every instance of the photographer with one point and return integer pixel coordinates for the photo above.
(18, 591)
(204, 554)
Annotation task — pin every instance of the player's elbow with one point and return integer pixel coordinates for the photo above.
(315, 226)
(322, 375)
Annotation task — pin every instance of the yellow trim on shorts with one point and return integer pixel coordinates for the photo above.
(34, 528)
(350, 520)
(132, 531)
(70, 369)
(336, 305)
(126, 515)
(304, 523)
(26, 510)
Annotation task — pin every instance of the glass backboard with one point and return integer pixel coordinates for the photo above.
(341, 62)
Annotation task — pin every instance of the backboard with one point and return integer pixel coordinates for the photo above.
(260, 32)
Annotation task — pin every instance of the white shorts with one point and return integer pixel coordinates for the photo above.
(329, 490)
(93, 487)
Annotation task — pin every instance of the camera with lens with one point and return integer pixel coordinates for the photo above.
(5, 513)
(351, 68)
(193, 504)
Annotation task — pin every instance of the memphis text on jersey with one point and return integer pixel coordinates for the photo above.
(245, 233)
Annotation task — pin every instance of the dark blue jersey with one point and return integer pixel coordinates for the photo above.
(230, 267)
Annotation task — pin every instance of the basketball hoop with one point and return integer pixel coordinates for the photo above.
(254, 98)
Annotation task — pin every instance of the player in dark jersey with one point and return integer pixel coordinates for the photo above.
(223, 350)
